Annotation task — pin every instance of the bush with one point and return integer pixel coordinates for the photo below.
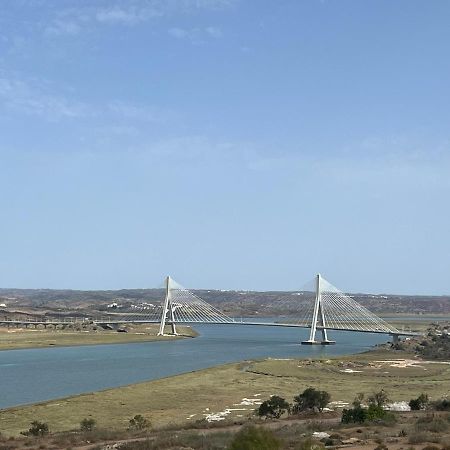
(311, 399)
(37, 429)
(355, 415)
(253, 438)
(421, 402)
(373, 413)
(275, 407)
(87, 424)
(432, 424)
(420, 437)
(138, 422)
(442, 405)
(309, 444)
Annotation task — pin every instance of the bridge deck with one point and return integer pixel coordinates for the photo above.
(266, 324)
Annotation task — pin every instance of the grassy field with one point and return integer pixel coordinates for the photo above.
(17, 338)
(415, 322)
(237, 389)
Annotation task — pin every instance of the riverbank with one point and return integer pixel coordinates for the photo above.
(22, 338)
(233, 391)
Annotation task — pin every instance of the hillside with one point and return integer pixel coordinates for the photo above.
(234, 303)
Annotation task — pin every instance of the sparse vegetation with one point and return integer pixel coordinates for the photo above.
(87, 424)
(255, 438)
(138, 422)
(37, 429)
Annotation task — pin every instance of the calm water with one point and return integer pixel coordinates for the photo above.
(29, 376)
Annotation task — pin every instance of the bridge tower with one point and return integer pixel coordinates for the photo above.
(168, 309)
(318, 319)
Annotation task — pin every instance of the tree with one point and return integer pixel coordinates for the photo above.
(379, 398)
(253, 438)
(37, 429)
(275, 407)
(138, 422)
(311, 399)
(421, 402)
(87, 424)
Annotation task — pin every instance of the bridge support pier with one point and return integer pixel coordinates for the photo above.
(318, 315)
(395, 338)
(167, 309)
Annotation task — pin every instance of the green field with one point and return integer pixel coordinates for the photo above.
(17, 338)
(189, 397)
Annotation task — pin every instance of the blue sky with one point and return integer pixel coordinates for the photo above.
(233, 144)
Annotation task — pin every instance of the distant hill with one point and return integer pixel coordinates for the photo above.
(235, 303)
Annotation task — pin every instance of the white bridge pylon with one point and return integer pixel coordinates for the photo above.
(338, 311)
(327, 308)
(182, 306)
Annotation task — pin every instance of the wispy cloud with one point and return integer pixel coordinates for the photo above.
(139, 113)
(29, 98)
(196, 35)
(36, 98)
(61, 27)
(71, 20)
(126, 16)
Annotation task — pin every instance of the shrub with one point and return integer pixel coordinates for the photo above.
(311, 399)
(442, 405)
(253, 438)
(275, 407)
(381, 447)
(432, 424)
(139, 422)
(309, 444)
(421, 402)
(355, 415)
(37, 429)
(373, 413)
(421, 437)
(87, 424)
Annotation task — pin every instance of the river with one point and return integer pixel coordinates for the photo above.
(35, 375)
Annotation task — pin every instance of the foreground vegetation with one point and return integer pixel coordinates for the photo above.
(233, 391)
(302, 430)
(17, 338)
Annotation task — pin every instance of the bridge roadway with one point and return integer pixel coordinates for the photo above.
(137, 321)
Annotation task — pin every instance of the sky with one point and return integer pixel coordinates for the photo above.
(233, 144)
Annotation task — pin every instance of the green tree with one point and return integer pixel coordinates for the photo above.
(311, 399)
(275, 407)
(253, 438)
(138, 422)
(87, 424)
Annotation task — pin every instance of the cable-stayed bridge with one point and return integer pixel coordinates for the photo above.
(319, 308)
